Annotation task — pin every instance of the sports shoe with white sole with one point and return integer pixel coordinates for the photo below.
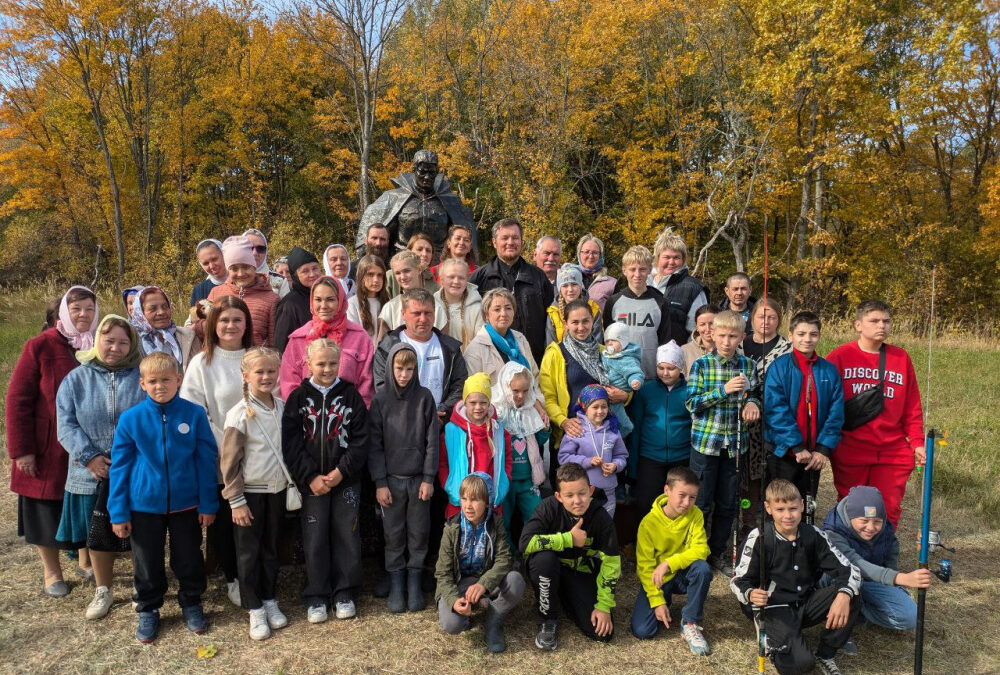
(316, 614)
(827, 666)
(233, 591)
(99, 606)
(693, 635)
(259, 630)
(275, 619)
(346, 610)
(546, 637)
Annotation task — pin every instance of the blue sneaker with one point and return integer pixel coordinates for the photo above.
(149, 622)
(194, 617)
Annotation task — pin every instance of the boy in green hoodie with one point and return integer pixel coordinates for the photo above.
(671, 554)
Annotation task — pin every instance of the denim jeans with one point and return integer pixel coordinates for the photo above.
(718, 495)
(886, 606)
(692, 581)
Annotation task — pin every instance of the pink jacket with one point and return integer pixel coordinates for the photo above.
(356, 353)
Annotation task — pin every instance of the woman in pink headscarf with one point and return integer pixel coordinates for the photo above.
(328, 304)
(39, 466)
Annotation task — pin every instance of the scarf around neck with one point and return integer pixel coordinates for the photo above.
(335, 328)
(507, 345)
(587, 353)
(474, 540)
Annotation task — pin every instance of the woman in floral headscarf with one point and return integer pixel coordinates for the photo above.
(153, 320)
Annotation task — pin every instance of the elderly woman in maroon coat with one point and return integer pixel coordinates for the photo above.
(38, 469)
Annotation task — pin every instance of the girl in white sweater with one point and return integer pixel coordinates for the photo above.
(213, 381)
(254, 483)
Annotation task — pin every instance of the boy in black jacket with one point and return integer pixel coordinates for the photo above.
(324, 439)
(405, 437)
(796, 556)
(573, 560)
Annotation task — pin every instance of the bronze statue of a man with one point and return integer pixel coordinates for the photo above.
(422, 201)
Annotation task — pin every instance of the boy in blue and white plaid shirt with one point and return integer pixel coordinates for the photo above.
(716, 400)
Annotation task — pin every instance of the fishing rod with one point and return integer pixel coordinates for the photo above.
(758, 612)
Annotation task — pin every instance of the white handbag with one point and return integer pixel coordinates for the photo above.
(293, 498)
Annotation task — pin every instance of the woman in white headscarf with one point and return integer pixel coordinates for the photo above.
(337, 264)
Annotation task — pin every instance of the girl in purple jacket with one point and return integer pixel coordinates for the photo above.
(600, 448)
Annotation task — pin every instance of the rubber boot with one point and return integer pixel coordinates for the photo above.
(381, 589)
(415, 591)
(397, 592)
(493, 631)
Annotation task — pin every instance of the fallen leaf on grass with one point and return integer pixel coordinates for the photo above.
(207, 652)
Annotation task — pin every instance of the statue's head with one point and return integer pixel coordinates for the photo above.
(425, 170)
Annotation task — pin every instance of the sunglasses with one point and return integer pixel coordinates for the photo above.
(259, 249)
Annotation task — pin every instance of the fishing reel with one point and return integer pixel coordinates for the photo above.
(945, 567)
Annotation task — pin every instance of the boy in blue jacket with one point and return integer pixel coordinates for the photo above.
(662, 436)
(163, 479)
(804, 400)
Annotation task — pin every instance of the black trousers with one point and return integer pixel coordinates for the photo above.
(650, 478)
(149, 535)
(257, 548)
(786, 467)
(559, 588)
(407, 523)
(332, 545)
(219, 539)
(784, 624)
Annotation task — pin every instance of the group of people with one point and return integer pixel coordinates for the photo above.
(486, 422)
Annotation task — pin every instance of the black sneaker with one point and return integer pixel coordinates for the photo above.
(827, 666)
(850, 648)
(194, 617)
(721, 565)
(546, 638)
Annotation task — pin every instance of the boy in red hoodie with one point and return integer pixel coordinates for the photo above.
(883, 451)
(474, 440)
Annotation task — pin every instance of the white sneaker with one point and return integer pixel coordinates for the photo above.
(346, 610)
(233, 591)
(696, 639)
(259, 630)
(99, 606)
(135, 592)
(316, 614)
(275, 619)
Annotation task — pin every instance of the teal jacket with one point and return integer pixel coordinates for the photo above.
(662, 424)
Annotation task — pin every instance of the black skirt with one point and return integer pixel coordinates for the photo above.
(38, 521)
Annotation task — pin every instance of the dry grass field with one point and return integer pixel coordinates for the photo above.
(40, 634)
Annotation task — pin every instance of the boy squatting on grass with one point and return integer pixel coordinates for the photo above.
(474, 565)
(796, 556)
(717, 404)
(572, 558)
(162, 479)
(857, 526)
(670, 553)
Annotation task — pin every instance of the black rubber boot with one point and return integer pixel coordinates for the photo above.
(397, 592)
(415, 590)
(493, 631)
(381, 588)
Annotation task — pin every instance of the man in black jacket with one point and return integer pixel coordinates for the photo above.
(441, 365)
(532, 290)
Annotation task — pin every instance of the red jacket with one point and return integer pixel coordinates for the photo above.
(263, 304)
(31, 415)
(900, 426)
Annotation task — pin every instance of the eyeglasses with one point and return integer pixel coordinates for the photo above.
(259, 249)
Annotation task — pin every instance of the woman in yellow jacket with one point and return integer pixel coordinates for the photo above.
(569, 366)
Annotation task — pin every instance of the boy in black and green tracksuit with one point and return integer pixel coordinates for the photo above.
(572, 558)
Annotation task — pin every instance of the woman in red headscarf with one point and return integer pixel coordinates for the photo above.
(328, 304)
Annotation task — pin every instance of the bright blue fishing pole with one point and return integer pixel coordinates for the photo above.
(925, 528)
